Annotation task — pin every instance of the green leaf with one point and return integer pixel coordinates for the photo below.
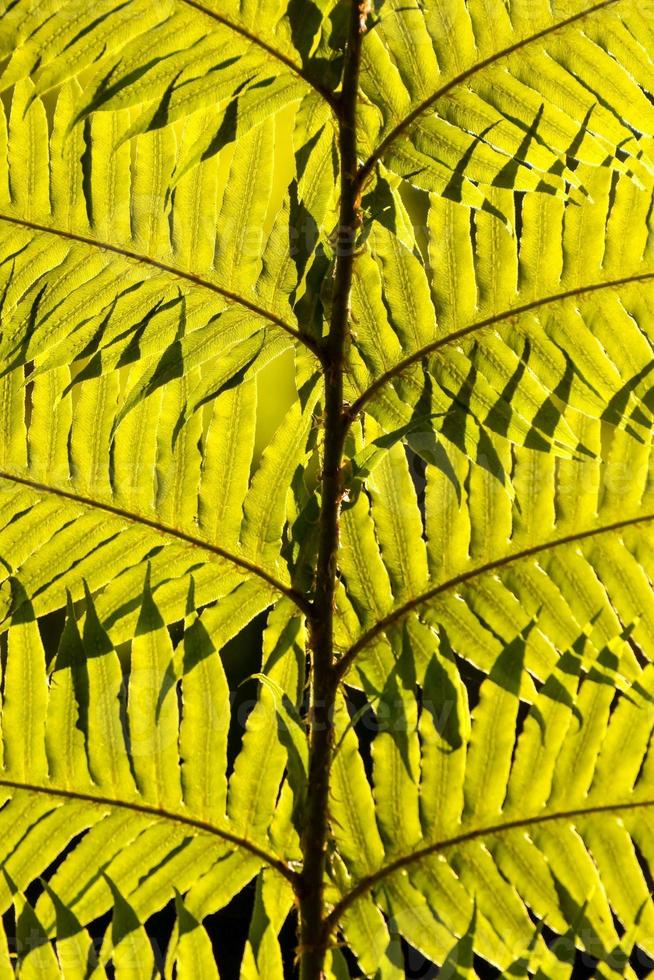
(75, 950)
(263, 956)
(152, 707)
(130, 948)
(194, 955)
(36, 956)
(260, 764)
(24, 705)
(101, 703)
(326, 486)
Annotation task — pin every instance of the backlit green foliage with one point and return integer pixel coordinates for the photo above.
(169, 229)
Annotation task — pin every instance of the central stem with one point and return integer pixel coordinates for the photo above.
(314, 936)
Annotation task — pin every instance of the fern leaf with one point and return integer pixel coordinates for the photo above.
(562, 543)
(396, 755)
(442, 117)
(36, 956)
(75, 950)
(53, 806)
(203, 746)
(102, 709)
(253, 788)
(130, 947)
(152, 707)
(24, 709)
(445, 730)
(262, 957)
(398, 524)
(227, 461)
(352, 804)
(428, 226)
(368, 936)
(214, 889)
(60, 47)
(264, 507)
(109, 418)
(570, 813)
(541, 330)
(65, 742)
(194, 955)
(459, 962)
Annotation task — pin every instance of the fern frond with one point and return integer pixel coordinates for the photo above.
(512, 320)
(273, 902)
(171, 61)
(544, 543)
(192, 949)
(99, 763)
(94, 232)
(429, 225)
(547, 820)
(133, 350)
(519, 97)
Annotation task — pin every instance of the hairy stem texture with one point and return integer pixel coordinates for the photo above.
(314, 936)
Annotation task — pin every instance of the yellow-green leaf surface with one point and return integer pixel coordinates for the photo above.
(326, 488)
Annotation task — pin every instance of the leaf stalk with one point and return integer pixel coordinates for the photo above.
(313, 934)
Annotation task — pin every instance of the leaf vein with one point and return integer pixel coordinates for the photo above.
(272, 860)
(366, 168)
(300, 601)
(473, 328)
(165, 267)
(465, 577)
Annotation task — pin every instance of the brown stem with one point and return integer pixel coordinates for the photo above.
(314, 936)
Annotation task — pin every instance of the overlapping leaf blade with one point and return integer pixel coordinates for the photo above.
(168, 221)
(82, 773)
(534, 821)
